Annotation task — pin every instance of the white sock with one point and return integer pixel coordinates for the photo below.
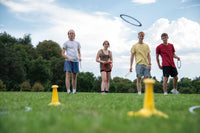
(74, 90)
(68, 91)
(165, 93)
(139, 93)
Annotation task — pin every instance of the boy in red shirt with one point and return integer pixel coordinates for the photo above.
(167, 52)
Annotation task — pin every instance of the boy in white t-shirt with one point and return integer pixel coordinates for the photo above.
(71, 52)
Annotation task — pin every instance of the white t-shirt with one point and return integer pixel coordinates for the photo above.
(71, 48)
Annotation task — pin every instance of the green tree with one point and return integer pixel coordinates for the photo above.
(85, 82)
(185, 86)
(40, 72)
(49, 49)
(58, 74)
(121, 85)
(196, 84)
(97, 84)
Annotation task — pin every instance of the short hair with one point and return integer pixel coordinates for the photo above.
(106, 42)
(141, 33)
(70, 31)
(164, 34)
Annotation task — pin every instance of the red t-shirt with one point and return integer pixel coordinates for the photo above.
(167, 54)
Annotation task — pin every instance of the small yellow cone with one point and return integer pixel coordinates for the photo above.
(54, 96)
(148, 106)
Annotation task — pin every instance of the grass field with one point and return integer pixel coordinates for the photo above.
(28, 112)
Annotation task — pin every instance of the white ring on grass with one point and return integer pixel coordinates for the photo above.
(28, 108)
(191, 109)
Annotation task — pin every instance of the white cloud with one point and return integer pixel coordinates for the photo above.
(183, 33)
(144, 1)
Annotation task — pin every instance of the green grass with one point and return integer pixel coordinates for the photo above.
(95, 113)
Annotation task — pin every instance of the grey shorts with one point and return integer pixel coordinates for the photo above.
(142, 70)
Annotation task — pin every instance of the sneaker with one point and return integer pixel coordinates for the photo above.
(139, 93)
(103, 93)
(174, 91)
(165, 93)
(74, 93)
(68, 92)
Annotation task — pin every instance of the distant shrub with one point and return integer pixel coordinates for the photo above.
(2, 86)
(186, 90)
(25, 86)
(38, 87)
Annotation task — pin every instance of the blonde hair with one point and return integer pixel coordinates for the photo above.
(141, 33)
(106, 42)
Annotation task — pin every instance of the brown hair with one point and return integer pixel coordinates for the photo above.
(141, 33)
(106, 42)
(164, 34)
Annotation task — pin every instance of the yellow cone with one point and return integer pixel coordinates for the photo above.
(148, 107)
(54, 96)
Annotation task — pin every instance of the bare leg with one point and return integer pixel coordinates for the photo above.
(67, 80)
(74, 81)
(175, 82)
(165, 84)
(103, 82)
(108, 80)
(139, 84)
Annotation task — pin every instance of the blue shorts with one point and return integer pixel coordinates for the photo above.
(71, 66)
(142, 70)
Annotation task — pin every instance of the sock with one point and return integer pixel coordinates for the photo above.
(139, 92)
(74, 90)
(68, 91)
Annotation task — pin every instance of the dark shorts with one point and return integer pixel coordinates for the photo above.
(71, 67)
(105, 71)
(169, 70)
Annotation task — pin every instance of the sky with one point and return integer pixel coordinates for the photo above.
(95, 21)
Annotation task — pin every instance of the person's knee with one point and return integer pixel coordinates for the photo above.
(176, 78)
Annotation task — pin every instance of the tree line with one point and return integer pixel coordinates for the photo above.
(24, 67)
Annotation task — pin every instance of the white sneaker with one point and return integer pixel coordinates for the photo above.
(103, 93)
(139, 93)
(174, 91)
(165, 93)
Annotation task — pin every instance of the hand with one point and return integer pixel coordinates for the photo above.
(79, 59)
(70, 59)
(109, 62)
(149, 67)
(178, 58)
(160, 67)
(103, 62)
(130, 69)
